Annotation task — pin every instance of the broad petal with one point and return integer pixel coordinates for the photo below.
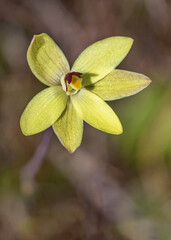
(69, 128)
(43, 110)
(46, 60)
(100, 58)
(119, 84)
(96, 112)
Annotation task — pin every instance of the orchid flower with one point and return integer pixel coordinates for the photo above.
(78, 94)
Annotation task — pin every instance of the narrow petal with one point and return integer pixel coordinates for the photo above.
(46, 60)
(99, 59)
(96, 112)
(119, 84)
(43, 110)
(69, 128)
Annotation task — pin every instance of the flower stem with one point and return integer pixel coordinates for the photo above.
(29, 171)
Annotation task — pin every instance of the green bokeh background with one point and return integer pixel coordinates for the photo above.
(112, 187)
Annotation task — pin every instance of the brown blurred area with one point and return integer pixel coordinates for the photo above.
(112, 187)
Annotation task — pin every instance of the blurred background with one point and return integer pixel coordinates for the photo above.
(112, 187)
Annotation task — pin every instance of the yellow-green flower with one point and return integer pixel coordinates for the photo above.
(78, 94)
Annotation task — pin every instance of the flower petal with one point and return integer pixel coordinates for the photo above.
(119, 84)
(46, 60)
(96, 112)
(99, 59)
(43, 110)
(69, 128)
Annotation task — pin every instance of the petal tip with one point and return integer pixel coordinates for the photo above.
(71, 151)
(22, 127)
(147, 82)
(120, 131)
(33, 38)
(30, 49)
(131, 40)
(36, 36)
(24, 132)
(119, 128)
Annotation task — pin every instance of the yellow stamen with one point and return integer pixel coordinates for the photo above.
(75, 82)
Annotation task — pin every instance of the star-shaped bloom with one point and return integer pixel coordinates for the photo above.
(78, 94)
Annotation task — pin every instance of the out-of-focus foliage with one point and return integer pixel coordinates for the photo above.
(113, 187)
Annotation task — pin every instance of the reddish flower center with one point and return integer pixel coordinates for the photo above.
(73, 79)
